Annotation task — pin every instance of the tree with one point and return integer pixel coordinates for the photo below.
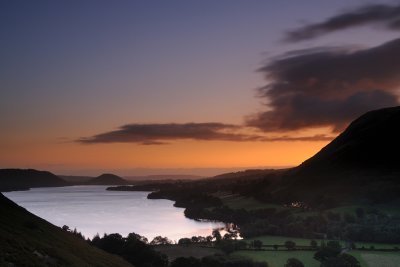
(350, 259)
(257, 244)
(335, 262)
(290, 245)
(217, 235)
(331, 250)
(134, 236)
(313, 244)
(293, 262)
(132, 248)
(184, 241)
(186, 262)
(159, 240)
(334, 245)
(227, 246)
(360, 213)
(240, 244)
(202, 239)
(324, 254)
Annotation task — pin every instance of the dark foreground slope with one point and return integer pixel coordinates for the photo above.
(361, 163)
(19, 179)
(107, 179)
(27, 240)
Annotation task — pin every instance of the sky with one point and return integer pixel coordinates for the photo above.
(200, 87)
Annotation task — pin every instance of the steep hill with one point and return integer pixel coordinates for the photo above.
(371, 142)
(27, 240)
(361, 163)
(20, 179)
(107, 179)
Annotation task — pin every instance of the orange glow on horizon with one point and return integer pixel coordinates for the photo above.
(182, 154)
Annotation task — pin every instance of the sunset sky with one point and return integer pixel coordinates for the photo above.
(146, 87)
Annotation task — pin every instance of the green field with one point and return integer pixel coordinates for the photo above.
(278, 259)
(280, 240)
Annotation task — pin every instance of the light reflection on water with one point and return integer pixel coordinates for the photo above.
(92, 210)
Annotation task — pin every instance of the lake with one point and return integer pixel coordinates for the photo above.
(92, 210)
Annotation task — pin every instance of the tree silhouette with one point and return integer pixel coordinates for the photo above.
(257, 244)
(290, 245)
(293, 262)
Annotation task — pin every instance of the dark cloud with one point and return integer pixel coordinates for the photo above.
(385, 15)
(155, 134)
(327, 87)
(159, 134)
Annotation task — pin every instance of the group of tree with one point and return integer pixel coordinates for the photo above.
(133, 248)
(75, 232)
(216, 261)
(330, 255)
(293, 262)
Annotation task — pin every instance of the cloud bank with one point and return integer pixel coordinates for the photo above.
(384, 15)
(327, 87)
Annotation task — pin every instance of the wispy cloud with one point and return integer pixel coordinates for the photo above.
(386, 15)
(327, 87)
(159, 134)
(155, 134)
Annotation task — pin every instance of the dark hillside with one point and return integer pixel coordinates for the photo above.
(27, 240)
(20, 179)
(362, 163)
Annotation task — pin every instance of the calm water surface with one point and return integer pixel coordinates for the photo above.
(92, 209)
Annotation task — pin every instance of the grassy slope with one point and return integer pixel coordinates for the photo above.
(27, 240)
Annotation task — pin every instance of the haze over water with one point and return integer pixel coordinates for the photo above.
(92, 210)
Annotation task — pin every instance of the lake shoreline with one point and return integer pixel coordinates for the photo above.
(88, 208)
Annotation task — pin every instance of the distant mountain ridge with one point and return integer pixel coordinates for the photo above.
(107, 179)
(76, 179)
(163, 177)
(23, 179)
